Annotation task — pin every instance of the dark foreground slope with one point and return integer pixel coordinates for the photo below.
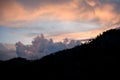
(96, 60)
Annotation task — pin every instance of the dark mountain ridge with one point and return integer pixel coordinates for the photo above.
(96, 60)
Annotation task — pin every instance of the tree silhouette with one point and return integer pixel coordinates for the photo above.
(95, 60)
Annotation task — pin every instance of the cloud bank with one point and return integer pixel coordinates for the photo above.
(19, 13)
(42, 46)
(7, 51)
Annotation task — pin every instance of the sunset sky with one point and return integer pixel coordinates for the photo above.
(22, 20)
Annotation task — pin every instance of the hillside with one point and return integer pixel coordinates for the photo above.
(96, 60)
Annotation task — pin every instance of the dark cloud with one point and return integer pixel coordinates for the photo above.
(30, 4)
(41, 47)
(3, 5)
(32, 34)
(7, 51)
(35, 2)
(109, 1)
(115, 3)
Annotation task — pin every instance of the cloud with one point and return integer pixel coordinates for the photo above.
(38, 3)
(79, 35)
(16, 13)
(42, 46)
(7, 51)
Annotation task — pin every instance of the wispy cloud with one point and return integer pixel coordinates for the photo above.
(58, 17)
(99, 11)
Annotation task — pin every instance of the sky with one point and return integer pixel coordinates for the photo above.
(22, 20)
(41, 46)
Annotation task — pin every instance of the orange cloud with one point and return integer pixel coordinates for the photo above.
(79, 35)
(106, 14)
(82, 35)
(15, 15)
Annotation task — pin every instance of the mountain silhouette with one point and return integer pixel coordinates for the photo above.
(96, 60)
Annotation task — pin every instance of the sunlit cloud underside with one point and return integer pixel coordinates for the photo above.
(21, 20)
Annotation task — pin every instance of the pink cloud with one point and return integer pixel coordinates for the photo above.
(80, 10)
(41, 47)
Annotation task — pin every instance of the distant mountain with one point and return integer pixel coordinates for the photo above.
(95, 60)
